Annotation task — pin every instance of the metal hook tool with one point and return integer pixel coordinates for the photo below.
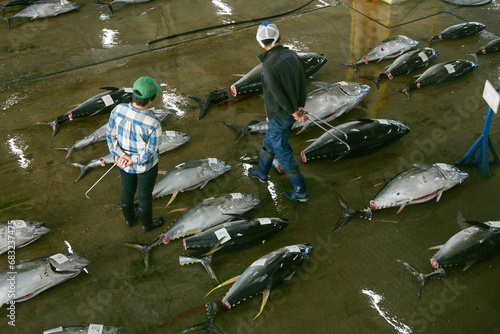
(327, 131)
(99, 180)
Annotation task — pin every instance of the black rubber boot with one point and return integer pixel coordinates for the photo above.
(148, 223)
(299, 192)
(128, 211)
(265, 164)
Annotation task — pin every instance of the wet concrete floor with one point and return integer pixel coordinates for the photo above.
(351, 281)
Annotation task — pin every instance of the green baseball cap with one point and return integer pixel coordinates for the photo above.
(146, 86)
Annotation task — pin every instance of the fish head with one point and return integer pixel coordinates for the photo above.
(241, 202)
(174, 137)
(218, 166)
(410, 43)
(354, 89)
(27, 229)
(312, 61)
(452, 174)
(70, 263)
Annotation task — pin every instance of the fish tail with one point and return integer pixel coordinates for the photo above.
(145, 251)
(109, 8)
(205, 261)
(240, 131)
(354, 66)
(70, 150)
(209, 325)
(376, 80)
(405, 91)
(204, 104)
(421, 278)
(473, 55)
(348, 213)
(52, 124)
(83, 170)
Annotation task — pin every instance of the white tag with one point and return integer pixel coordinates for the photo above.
(108, 100)
(170, 133)
(383, 121)
(259, 263)
(264, 221)
(449, 68)
(491, 96)
(293, 249)
(236, 195)
(95, 329)
(423, 56)
(222, 234)
(59, 258)
(128, 90)
(443, 166)
(19, 223)
(343, 83)
(212, 160)
(54, 330)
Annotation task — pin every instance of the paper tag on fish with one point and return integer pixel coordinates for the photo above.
(443, 166)
(170, 134)
(259, 263)
(95, 329)
(423, 56)
(264, 221)
(212, 160)
(449, 68)
(383, 121)
(59, 258)
(222, 234)
(54, 330)
(108, 100)
(343, 83)
(19, 223)
(237, 195)
(128, 90)
(293, 249)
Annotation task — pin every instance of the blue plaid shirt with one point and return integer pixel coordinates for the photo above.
(135, 133)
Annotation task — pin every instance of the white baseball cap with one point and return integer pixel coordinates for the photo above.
(267, 30)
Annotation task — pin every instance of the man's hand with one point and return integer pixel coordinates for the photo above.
(123, 161)
(300, 115)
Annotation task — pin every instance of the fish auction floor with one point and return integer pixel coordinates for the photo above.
(351, 282)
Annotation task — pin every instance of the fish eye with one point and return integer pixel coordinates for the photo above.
(381, 49)
(398, 194)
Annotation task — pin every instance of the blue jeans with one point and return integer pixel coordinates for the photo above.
(144, 183)
(276, 142)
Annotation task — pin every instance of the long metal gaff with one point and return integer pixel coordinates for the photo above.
(327, 131)
(99, 180)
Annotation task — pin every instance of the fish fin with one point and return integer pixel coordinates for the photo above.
(52, 124)
(206, 262)
(438, 195)
(179, 210)
(376, 80)
(215, 248)
(229, 281)
(265, 296)
(110, 88)
(402, 207)
(144, 249)
(435, 247)
(354, 66)
(174, 195)
(348, 213)
(236, 215)
(468, 265)
(83, 170)
(209, 325)
(204, 104)
(109, 8)
(162, 172)
(204, 184)
(419, 275)
(480, 225)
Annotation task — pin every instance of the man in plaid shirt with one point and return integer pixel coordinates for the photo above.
(133, 136)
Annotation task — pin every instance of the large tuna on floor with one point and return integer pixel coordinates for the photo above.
(189, 175)
(169, 140)
(98, 104)
(388, 48)
(85, 329)
(354, 138)
(35, 276)
(468, 246)
(441, 72)
(108, 5)
(491, 46)
(204, 215)
(418, 184)
(43, 10)
(458, 31)
(405, 64)
(262, 275)
(17, 233)
(228, 236)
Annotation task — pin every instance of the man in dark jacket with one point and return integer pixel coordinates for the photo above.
(285, 89)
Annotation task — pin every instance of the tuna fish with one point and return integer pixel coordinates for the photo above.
(422, 278)
(119, 1)
(169, 140)
(405, 64)
(458, 31)
(15, 234)
(348, 213)
(418, 184)
(85, 329)
(98, 104)
(251, 82)
(209, 324)
(491, 46)
(99, 135)
(43, 10)
(468, 246)
(354, 138)
(468, 2)
(254, 127)
(215, 97)
(267, 272)
(388, 48)
(229, 236)
(441, 72)
(188, 176)
(204, 215)
(35, 276)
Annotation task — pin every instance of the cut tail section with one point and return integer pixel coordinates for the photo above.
(145, 251)
(376, 80)
(209, 325)
(421, 277)
(206, 261)
(348, 213)
(83, 170)
(52, 124)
